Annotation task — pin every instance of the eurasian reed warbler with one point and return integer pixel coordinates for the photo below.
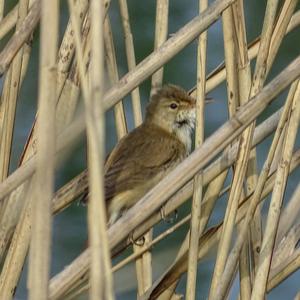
(149, 152)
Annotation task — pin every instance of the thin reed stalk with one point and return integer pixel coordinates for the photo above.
(198, 180)
(112, 68)
(40, 247)
(101, 281)
(129, 48)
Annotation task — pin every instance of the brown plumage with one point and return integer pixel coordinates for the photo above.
(145, 155)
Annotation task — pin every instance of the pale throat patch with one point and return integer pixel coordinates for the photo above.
(184, 131)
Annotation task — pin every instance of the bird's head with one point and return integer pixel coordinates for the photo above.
(172, 108)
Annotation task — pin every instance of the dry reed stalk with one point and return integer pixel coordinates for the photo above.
(260, 282)
(101, 276)
(161, 34)
(233, 257)
(195, 223)
(40, 247)
(244, 79)
(157, 197)
(112, 69)
(210, 238)
(9, 101)
(20, 36)
(1, 9)
(129, 48)
(101, 280)
(144, 263)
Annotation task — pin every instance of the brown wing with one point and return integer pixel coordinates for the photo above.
(140, 156)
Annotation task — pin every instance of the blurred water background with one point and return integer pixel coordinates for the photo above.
(69, 227)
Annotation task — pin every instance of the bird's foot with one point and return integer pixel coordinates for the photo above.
(166, 218)
(138, 242)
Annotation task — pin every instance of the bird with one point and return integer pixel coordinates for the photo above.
(148, 153)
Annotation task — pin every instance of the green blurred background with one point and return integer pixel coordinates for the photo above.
(70, 232)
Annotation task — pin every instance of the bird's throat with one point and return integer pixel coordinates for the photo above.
(183, 133)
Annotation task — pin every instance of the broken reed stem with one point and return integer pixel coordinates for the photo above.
(40, 246)
(260, 281)
(242, 235)
(131, 62)
(194, 234)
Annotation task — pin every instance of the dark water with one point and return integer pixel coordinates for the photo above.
(69, 233)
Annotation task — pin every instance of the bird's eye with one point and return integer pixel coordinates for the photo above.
(173, 105)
